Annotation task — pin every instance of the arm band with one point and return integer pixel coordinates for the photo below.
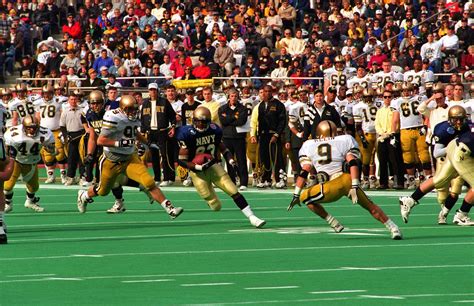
(227, 155)
(304, 174)
(352, 163)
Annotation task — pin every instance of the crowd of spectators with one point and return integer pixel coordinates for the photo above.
(199, 39)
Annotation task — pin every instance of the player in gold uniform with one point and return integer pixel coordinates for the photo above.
(118, 135)
(24, 145)
(327, 154)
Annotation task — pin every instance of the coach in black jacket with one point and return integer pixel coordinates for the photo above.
(317, 112)
(272, 121)
(233, 115)
(159, 125)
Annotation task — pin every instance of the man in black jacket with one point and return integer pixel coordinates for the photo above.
(158, 121)
(317, 112)
(93, 81)
(270, 127)
(233, 116)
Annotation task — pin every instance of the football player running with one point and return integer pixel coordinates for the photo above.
(204, 137)
(49, 114)
(118, 135)
(327, 154)
(6, 169)
(24, 144)
(454, 147)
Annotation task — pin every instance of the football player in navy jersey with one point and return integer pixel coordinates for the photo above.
(204, 137)
(455, 144)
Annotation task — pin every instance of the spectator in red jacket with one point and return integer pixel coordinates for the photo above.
(73, 28)
(202, 71)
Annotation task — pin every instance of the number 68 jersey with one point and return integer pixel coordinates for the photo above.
(28, 148)
(327, 155)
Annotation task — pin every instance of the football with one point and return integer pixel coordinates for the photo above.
(202, 158)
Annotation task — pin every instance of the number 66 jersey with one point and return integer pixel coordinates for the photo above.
(327, 155)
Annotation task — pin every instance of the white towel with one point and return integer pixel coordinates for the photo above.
(154, 121)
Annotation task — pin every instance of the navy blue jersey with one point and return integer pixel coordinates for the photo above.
(200, 142)
(109, 104)
(444, 132)
(468, 139)
(94, 120)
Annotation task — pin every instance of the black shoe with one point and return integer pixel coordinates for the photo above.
(3, 239)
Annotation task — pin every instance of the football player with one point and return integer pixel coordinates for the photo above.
(118, 135)
(6, 99)
(204, 137)
(381, 77)
(338, 75)
(424, 78)
(327, 154)
(447, 173)
(24, 144)
(364, 117)
(361, 79)
(412, 132)
(49, 115)
(21, 106)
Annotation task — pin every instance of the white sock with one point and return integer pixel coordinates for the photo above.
(390, 224)
(166, 204)
(247, 211)
(1, 215)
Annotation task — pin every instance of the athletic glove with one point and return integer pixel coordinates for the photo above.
(364, 141)
(141, 149)
(294, 201)
(423, 131)
(88, 159)
(205, 166)
(353, 191)
(393, 141)
(233, 164)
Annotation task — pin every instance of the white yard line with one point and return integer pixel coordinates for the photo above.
(206, 284)
(148, 281)
(256, 250)
(388, 297)
(271, 288)
(337, 291)
(30, 275)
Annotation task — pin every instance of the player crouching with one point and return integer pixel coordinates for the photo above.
(200, 145)
(24, 143)
(327, 154)
(118, 135)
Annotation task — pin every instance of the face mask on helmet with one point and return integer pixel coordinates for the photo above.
(457, 117)
(201, 119)
(30, 127)
(131, 112)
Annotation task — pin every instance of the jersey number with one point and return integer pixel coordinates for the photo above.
(206, 149)
(34, 150)
(338, 80)
(372, 113)
(324, 150)
(48, 111)
(28, 109)
(130, 132)
(407, 110)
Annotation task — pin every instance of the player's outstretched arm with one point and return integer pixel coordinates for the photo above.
(300, 182)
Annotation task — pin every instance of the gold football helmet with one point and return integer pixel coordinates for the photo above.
(246, 83)
(47, 92)
(96, 100)
(6, 95)
(438, 87)
(326, 129)
(22, 90)
(339, 63)
(368, 95)
(201, 118)
(129, 106)
(30, 126)
(227, 84)
(457, 116)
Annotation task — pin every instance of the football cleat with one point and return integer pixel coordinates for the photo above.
(411, 184)
(264, 185)
(63, 179)
(188, 182)
(396, 233)
(462, 219)
(50, 180)
(166, 183)
(33, 204)
(117, 208)
(3, 234)
(8, 208)
(373, 182)
(365, 184)
(82, 201)
(69, 181)
(257, 222)
(442, 216)
(242, 188)
(172, 211)
(335, 225)
(280, 185)
(406, 204)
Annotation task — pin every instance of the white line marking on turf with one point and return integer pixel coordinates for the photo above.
(362, 269)
(357, 234)
(206, 284)
(464, 301)
(337, 291)
(271, 288)
(31, 275)
(86, 255)
(256, 250)
(213, 273)
(64, 279)
(148, 281)
(394, 297)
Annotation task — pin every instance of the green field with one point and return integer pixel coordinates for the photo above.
(141, 257)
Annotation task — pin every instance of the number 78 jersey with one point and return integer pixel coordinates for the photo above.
(327, 155)
(50, 112)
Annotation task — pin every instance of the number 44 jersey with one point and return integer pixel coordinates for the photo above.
(197, 142)
(327, 154)
(28, 148)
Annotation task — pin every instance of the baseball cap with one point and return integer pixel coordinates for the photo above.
(103, 68)
(378, 12)
(349, 92)
(92, 70)
(153, 86)
(190, 91)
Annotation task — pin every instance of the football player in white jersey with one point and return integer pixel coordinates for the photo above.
(24, 144)
(381, 77)
(364, 114)
(59, 96)
(49, 115)
(118, 135)
(6, 99)
(361, 79)
(412, 132)
(338, 75)
(327, 154)
(21, 106)
(423, 77)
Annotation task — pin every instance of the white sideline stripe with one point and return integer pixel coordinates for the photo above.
(213, 273)
(289, 191)
(337, 291)
(271, 288)
(362, 269)
(357, 234)
(206, 284)
(464, 301)
(86, 255)
(265, 250)
(148, 281)
(31, 275)
(274, 301)
(393, 297)
(64, 279)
